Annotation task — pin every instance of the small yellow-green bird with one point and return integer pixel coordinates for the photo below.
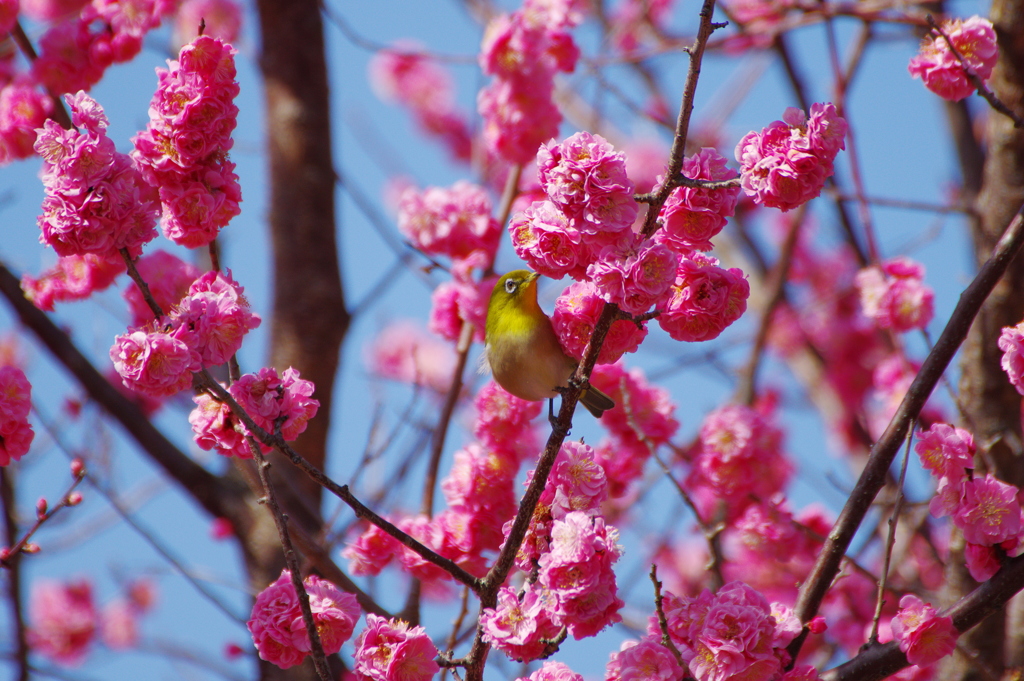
(524, 353)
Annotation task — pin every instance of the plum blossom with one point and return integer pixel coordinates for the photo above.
(1011, 342)
(786, 164)
(74, 277)
(894, 295)
(63, 620)
(703, 299)
(923, 635)
(941, 71)
(279, 631)
(518, 627)
(575, 316)
(691, 216)
(391, 650)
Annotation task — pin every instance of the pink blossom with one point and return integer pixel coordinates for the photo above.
(48, 10)
(518, 627)
(15, 394)
(183, 149)
(222, 20)
(575, 316)
(23, 108)
(504, 422)
(517, 118)
(553, 671)
(460, 301)
(96, 201)
(586, 178)
(8, 15)
(894, 296)
(691, 216)
(480, 485)
(1011, 342)
(643, 411)
(634, 280)
(371, 552)
(941, 71)
(391, 650)
(989, 512)
(221, 529)
(119, 625)
(75, 277)
(787, 163)
(632, 20)
(740, 455)
(922, 634)
(168, 278)
(452, 222)
(405, 74)
(801, 672)
(945, 450)
(267, 396)
(546, 239)
(216, 427)
(983, 562)
(63, 620)
(279, 631)
(726, 635)
(214, 316)
(154, 362)
(644, 660)
(15, 440)
(703, 300)
(405, 352)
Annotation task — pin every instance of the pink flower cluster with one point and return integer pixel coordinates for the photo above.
(986, 510)
(738, 456)
(15, 404)
(204, 329)
(405, 75)
(96, 201)
(575, 316)
(463, 299)
(634, 21)
(691, 216)
(453, 222)
(941, 71)
(23, 108)
(894, 295)
(571, 550)
(731, 634)
(1011, 342)
(641, 421)
(645, 659)
(786, 164)
(279, 631)
(553, 671)
(390, 650)
(524, 51)
(703, 299)
(64, 620)
(184, 148)
(76, 51)
(168, 277)
(404, 352)
(266, 397)
(74, 277)
(923, 635)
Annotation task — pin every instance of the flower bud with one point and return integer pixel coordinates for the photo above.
(74, 499)
(77, 467)
(30, 548)
(41, 507)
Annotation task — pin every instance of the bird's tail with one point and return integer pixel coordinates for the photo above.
(596, 402)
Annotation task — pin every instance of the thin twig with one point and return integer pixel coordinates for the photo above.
(666, 639)
(890, 541)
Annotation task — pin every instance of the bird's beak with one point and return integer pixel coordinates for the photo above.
(532, 277)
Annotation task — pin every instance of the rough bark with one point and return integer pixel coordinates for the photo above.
(991, 405)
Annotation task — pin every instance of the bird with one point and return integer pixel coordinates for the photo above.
(522, 349)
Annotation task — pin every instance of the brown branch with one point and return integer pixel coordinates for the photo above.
(884, 451)
(14, 594)
(66, 500)
(60, 114)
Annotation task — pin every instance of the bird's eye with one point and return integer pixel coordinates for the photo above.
(510, 285)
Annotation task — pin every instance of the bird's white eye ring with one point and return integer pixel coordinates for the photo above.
(510, 285)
